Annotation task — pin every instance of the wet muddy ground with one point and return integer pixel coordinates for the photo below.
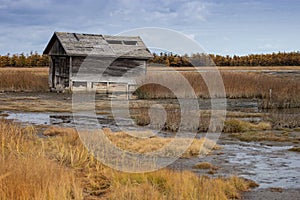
(270, 164)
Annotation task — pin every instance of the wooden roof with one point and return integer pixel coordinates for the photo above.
(78, 44)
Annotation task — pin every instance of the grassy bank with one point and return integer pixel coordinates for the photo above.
(59, 167)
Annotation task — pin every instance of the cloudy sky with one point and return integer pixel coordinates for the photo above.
(219, 26)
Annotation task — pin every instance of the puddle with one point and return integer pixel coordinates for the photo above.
(270, 166)
(30, 118)
(66, 120)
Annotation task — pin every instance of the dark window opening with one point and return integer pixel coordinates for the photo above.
(130, 42)
(114, 41)
(79, 83)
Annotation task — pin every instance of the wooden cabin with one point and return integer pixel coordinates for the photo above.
(85, 60)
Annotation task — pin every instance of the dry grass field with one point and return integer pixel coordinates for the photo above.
(24, 79)
(43, 71)
(284, 92)
(226, 68)
(60, 167)
(237, 85)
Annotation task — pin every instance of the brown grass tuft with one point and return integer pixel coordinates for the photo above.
(205, 165)
(235, 126)
(295, 149)
(147, 145)
(168, 184)
(60, 131)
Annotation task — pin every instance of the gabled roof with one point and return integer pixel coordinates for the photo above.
(78, 44)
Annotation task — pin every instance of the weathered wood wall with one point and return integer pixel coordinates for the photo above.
(57, 49)
(58, 66)
(106, 69)
(92, 69)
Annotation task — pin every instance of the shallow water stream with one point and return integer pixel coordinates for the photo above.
(269, 166)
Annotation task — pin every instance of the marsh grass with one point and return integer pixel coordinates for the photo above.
(60, 167)
(147, 145)
(43, 71)
(37, 178)
(235, 126)
(61, 131)
(168, 184)
(173, 122)
(23, 80)
(281, 120)
(163, 184)
(25, 171)
(237, 85)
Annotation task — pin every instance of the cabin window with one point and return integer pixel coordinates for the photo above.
(126, 42)
(114, 41)
(130, 42)
(79, 84)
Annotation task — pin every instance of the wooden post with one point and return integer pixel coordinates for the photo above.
(50, 78)
(145, 67)
(127, 91)
(107, 87)
(70, 74)
(89, 86)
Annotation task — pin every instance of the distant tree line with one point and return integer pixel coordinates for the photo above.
(21, 60)
(201, 59)
(173, 60)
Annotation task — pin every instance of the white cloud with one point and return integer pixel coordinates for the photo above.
(147, 13)
(267, 47)
(226, 38)
(195, 9)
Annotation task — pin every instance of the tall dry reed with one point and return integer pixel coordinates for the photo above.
(59, 167)
(16, 80)
(25, 171)
(275, 92)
